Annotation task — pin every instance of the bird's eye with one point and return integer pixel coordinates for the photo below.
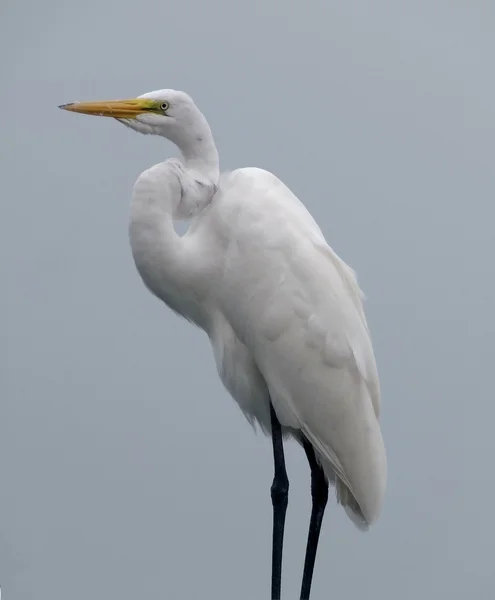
(164, 106)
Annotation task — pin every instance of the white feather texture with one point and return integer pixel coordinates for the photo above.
(288, 324)
(283, 312)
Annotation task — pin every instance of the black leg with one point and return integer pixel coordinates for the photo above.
(280, 494)
(319, 495)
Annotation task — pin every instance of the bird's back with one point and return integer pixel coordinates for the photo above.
(298, 310)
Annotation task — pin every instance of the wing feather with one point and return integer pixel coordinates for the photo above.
(298, 309)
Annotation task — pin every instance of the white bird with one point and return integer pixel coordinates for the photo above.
(283, 312)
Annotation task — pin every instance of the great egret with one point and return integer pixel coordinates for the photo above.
(283, 312)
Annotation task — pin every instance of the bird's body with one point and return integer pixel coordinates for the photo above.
(283, 312)
(285, 318)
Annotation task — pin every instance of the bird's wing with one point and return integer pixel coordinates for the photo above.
(298, 308)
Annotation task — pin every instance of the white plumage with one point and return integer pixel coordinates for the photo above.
(283, 312)
(287, 320)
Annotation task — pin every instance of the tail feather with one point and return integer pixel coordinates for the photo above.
(351, 507)
(344, 495)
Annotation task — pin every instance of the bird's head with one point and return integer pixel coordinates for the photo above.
(168, 113)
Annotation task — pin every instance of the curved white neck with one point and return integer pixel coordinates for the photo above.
(198, 148)
(201, 155)
(167, 191)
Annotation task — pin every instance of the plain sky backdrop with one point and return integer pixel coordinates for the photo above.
(126, 471)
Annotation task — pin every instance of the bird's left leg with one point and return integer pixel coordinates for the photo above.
(319, 495)
(280, 495)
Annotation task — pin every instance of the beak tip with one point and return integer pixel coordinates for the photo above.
(126, 109)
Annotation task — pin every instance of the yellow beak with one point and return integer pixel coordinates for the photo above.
(118, 109)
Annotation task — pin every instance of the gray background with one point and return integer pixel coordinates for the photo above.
(126, 470)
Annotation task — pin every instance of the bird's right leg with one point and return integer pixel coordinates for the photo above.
(319, 494)
(280, 495)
